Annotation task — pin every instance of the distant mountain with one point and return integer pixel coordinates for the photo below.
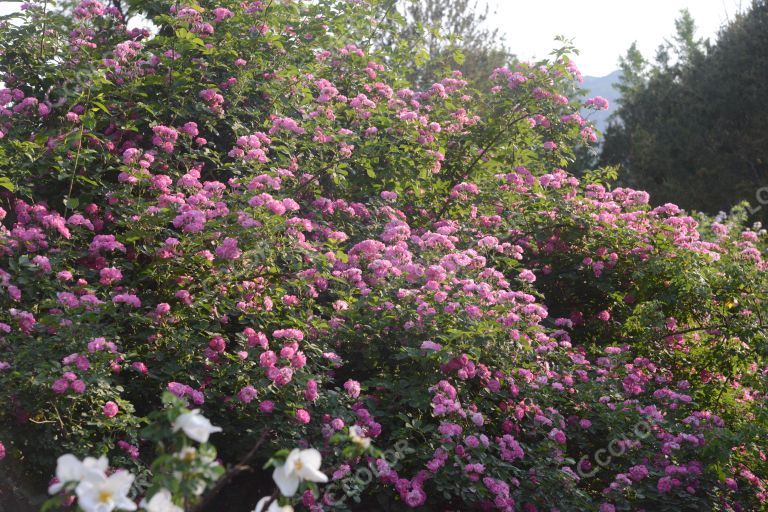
(602, 86)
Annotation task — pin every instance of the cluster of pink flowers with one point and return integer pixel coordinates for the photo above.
(285, 123)
(213, 100)
(164, 137)
(195, 20)
(183, 390)
(88, 9)
(251, 147)
(68, 381)
(598, 102)
(228, 249)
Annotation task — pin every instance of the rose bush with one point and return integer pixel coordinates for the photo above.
(246, 206)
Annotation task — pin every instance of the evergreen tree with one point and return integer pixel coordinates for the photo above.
(691, 126)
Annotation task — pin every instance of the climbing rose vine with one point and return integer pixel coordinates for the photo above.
(241, 222)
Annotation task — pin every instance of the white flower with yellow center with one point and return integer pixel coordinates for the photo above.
(100, 493)
(71, 469)
(202, 465)
(187, 454)
(300, 465)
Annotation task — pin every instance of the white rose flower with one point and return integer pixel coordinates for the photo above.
(196, 426)
(71, 469)
(203, 463)
(99, 493)
(188, 453)
(300, 465)
(162, 501)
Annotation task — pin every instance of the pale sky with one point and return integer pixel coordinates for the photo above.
(601, 29)
(8, 7)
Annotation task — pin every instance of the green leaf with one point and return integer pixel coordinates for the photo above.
(101, 106)
(87, 180)
(7, 184)
(71, 202)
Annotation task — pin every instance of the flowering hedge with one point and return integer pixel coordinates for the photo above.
(247, 208)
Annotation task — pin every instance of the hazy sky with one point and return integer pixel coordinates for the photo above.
(601, 29)
(6, 7)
